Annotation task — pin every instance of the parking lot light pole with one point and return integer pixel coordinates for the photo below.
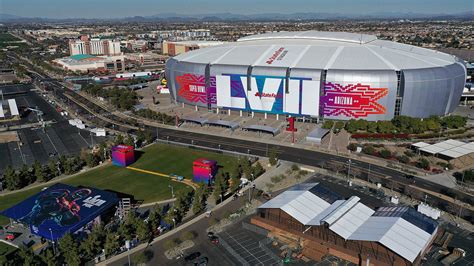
(172, 191)
(349, 169)
(52, 240)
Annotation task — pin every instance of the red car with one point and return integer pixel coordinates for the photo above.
(214, 240)
(10, 237)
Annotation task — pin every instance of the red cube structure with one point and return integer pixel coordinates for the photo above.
(123, 155)
(204, 170)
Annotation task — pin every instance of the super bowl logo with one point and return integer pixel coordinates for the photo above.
(353, 100)
(192, 88)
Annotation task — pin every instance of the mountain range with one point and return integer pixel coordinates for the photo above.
(468, 15)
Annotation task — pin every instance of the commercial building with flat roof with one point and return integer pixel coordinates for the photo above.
(176, 48)
(326, 224)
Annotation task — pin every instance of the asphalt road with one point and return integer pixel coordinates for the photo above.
(215, 253)
(307, 157)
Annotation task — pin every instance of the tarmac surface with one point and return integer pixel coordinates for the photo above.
(37, 143)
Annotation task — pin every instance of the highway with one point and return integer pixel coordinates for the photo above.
(384, 175)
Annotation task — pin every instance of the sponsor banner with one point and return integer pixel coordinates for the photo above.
(352, 100)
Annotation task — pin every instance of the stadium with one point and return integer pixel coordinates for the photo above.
(335, 75)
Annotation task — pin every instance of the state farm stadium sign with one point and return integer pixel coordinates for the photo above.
(268, 94)
(277, 55)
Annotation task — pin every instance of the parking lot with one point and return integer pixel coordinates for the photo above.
(246, 245)
(37, 143)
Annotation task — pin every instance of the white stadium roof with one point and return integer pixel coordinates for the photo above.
(334, 50)
(401, 229)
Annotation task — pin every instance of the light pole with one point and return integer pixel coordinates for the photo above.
(219, 147)
(168, 139)
(368, 174)
(221, 197)
(52, 240)
(349, 169)
(172, 191)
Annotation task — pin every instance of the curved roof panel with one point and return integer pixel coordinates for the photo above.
(319, 50)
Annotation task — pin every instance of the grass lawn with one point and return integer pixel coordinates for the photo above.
(6, 249)
(161, 158)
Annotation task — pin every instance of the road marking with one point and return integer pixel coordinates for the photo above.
(243, 248)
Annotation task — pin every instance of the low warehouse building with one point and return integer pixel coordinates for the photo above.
(325, 224)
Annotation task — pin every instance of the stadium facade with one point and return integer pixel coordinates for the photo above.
(335, 75)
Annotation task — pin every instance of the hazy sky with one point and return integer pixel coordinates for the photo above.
(122, 8)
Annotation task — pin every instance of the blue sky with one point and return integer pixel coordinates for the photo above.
(122, 8)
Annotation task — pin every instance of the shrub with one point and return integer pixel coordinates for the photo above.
(409, 153)
(352, 147)
(385, 154)
(423, 164)
(328, 124)
(403, 159)
(295, 167)
(368, 149)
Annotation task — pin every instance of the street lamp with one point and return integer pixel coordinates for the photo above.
(172, 191)
(168, 139)
(349, 169)
(174, 223)
(52, 240)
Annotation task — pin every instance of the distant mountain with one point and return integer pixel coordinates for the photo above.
(467, 15)
(8, 17)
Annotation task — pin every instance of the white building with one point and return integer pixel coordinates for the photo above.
(94, 47)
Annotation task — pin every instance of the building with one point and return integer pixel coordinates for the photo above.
(94, 46)
(176, 48)
(312, 74)
(123, 155)
(137, 45)
(89, 63)
(147, 60)
(62, 209)
(325, 224)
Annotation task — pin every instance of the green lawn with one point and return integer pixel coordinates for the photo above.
(161, 158)
(6, 249)
(7, 37)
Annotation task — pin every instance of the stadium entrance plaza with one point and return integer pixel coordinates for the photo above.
(166, 105)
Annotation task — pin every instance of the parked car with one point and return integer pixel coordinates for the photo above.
(201, 262)
(192, 256)
(214, 240)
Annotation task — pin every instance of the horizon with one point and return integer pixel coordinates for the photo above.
(108, 9)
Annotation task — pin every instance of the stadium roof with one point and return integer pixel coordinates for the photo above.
(60, 209)
(333, 50)
(401, 229)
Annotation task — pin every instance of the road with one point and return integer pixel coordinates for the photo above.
(104, 118)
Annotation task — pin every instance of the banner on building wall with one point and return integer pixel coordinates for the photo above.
(268, 94)
(352, 100)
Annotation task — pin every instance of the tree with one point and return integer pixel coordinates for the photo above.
(130, 141)
(128, 228)
(93, 244)
(352, 147)
(69, 250)
(143, 231)
(403, 159)
(48, 257)
(234, 184)
(11, 179)
(53, 169)
(28, 257)
(112, 243)
(273, 157)
(368, 149)
(154, 219)
(328, 124)
(257, 170)
(198, 202)
(39, 172)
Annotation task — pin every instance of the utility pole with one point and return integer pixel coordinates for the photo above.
(368, 175)
(349, 169)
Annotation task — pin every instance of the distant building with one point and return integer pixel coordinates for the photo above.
(95, 46)
(176, 48)
(89, 63)
(137, 45)
(147, 60)
(323, 223)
